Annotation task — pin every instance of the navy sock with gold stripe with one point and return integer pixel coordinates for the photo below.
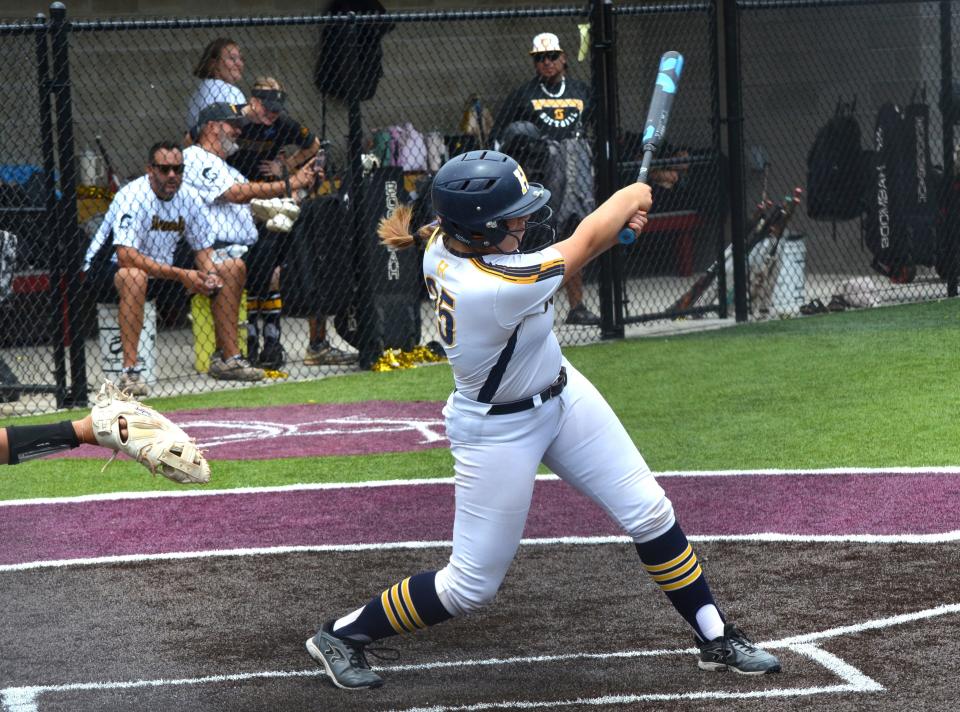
(406, 606)
(673, 565)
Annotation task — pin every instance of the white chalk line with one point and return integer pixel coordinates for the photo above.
(767, 537)
(200, 491)
(24, 699)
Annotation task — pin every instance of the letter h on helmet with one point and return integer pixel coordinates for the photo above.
(475, 193)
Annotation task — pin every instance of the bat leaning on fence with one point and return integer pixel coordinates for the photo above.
(668, 76)
(768, 220)
(761, 283)
(763, 216)
(113, 180)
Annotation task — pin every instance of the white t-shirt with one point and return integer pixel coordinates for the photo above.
(211, 176)
(212, 91)
(495, 317)
(141, 220)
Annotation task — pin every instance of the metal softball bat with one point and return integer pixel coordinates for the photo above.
(668, 78)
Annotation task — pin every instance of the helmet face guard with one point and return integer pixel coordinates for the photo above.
(475, 193)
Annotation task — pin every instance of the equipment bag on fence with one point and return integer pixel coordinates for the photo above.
(884, 230)
(948, 231)
(835, 168)
(317, 276)
(384, 311)
(920, 183)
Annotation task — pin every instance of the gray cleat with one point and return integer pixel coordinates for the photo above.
(343, 659)
(735, 651)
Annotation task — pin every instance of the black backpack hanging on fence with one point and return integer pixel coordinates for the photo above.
(350, 63)
(835, 168)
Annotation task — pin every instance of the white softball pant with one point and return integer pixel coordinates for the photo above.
(576, 435)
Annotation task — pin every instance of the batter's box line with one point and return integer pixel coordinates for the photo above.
(24, 699)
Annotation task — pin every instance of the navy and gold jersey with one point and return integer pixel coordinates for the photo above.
(559, 111)
(259, 142)
(495, 315)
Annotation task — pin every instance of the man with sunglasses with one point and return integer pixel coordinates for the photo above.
(131, 256)
(560, 108)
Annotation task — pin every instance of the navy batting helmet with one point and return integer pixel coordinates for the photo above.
(476, 192)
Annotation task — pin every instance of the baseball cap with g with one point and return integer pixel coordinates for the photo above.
(221, 111)
(546, 42)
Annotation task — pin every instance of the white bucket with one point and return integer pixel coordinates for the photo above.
(789, 290)
(111, 348)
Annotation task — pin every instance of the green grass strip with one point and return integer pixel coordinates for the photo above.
(871, 388)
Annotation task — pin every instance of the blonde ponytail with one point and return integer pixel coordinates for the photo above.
(394, 231)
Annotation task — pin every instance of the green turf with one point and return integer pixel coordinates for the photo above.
(871, 388)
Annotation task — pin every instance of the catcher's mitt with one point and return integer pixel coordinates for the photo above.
(152, 440)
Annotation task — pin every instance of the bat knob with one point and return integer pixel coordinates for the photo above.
(627, 236)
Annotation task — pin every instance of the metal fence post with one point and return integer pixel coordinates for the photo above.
(65, 277)
(603, 72)
(947, 108)
(722, 166)
(732, 79)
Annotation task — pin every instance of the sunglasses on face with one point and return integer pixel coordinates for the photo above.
(552, 56)
(165, 168)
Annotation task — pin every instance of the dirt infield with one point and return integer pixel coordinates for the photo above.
(203, 602)
(227, 634)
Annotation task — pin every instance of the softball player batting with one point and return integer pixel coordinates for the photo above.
(518, 402)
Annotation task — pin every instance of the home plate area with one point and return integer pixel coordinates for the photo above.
(202, 599)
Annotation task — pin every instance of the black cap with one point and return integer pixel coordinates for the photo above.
(221, 111)
(273, 99)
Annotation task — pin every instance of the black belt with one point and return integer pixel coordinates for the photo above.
(554, 389)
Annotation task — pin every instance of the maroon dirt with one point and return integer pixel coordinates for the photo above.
(308, 430)
(788, 504)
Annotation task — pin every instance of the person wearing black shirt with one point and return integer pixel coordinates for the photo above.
(561, 109)
(262, 156)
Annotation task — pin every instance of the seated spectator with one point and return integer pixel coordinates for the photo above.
(131, 256)
(261, 157)
(226, 193)
(220, 71)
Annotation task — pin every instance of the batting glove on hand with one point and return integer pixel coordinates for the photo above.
(152, 440)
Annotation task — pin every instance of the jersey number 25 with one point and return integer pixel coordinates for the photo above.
(443, 304)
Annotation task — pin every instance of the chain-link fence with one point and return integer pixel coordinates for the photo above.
(108, 240)
(846, 101)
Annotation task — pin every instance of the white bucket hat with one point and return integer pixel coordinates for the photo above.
(546, 42)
